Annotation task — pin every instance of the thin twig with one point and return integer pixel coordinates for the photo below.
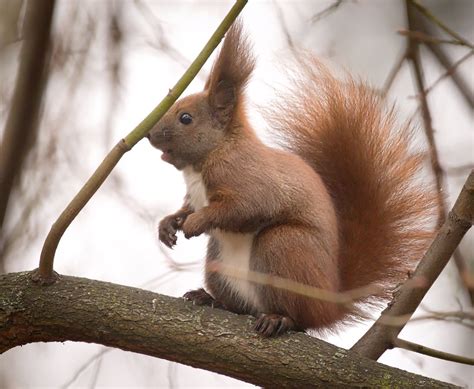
(160, 42)
(326, 11)
(95, 375)
(286, 32)
(418, 348)
(441, 315)
(425, 38)
(428, 14)
(467, 277)
(458, 80)
(413, 56)
(449, 72)
(393, 73)
(463, 318)
(343, 298)
(84, 367)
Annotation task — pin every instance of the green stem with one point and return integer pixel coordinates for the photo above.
(44, 273)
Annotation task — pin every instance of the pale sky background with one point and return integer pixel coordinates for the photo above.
(114, 238)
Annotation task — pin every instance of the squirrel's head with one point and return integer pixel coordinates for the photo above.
(198, 124)
(194, 126)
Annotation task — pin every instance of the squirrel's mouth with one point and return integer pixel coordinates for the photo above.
(167, 154)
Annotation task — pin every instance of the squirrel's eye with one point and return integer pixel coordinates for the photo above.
(185, 118)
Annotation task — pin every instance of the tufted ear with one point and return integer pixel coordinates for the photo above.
(222, 98)
(229, 74)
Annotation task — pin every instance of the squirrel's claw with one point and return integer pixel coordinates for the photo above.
(269, 325)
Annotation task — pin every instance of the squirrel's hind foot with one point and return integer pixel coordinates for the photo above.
(269, 325)
(201, 297)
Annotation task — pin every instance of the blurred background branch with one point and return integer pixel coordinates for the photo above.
(21, 127)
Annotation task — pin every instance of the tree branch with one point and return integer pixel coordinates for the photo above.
(22, 121)
(444, 60)
(326, 11)
(449, 72)
(429, 15)
(413, 54)
(425, 38)
(393, 73)
(136, 320)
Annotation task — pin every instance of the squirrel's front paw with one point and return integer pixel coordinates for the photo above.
(194, 225)
(167, 230)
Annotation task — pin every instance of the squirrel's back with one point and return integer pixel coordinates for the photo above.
(344, 131)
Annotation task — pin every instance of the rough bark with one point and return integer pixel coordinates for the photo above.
(136, 320)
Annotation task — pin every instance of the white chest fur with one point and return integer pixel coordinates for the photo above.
(234, 251)
(195, 188)
(234, 248)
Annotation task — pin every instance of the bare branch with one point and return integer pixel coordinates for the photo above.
(84, 367)
(286, 32)
(429, 15)
(443, 58)
(449, 72)
(425, 38)
(22, 120)
(342, 298)
(407, 345)
(326, 11)
(413, 55)
(458, 80)
(467, 277)
(161, 42)
(144, 322)
(393, 73)
(459, 317)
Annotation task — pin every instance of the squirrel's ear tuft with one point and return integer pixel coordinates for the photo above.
(223, 101)
(231, 71)
(223, 96)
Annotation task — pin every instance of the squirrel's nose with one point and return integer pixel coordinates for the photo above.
(160, 135)
(166, 132)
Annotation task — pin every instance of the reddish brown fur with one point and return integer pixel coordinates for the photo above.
(340, 211)
(367, 166)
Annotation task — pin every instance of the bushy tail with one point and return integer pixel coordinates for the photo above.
(343, 131)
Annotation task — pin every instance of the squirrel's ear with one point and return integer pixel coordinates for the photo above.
(222, 100)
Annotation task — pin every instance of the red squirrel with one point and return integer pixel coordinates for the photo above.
(338, 208)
